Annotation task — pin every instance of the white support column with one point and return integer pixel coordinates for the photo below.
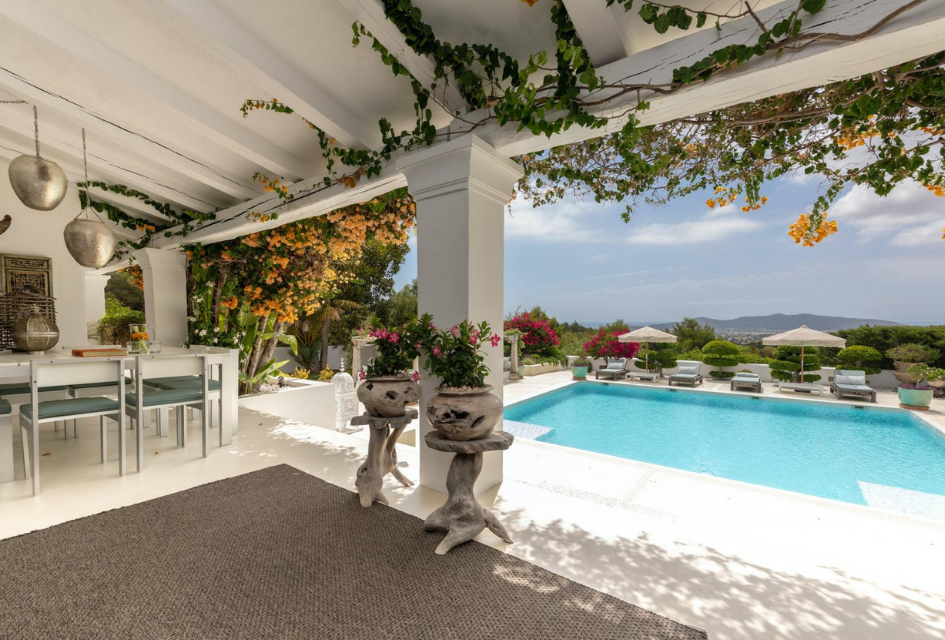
(165, 293)
(94, 301)
(461, 189)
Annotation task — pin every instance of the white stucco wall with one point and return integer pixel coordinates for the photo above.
(39, 233)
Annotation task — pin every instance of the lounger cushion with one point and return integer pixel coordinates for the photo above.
(853, 380)
(4, 407)
(688, 369)
(860, 388)
(617, 363)
(748, 377)
(58, 408)
(685, 376)
(164, 396)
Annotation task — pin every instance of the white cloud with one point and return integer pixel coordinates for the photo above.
(568, 221)
(574, 221)
(706, 229)
(908, 216)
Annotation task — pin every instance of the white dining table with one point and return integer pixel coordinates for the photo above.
(16, 365)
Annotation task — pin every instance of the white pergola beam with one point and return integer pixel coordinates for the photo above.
(246, 54)
(238, 220)
(916, 33)
(911, 35)
(72, 148)
(370, 13)
(185, 109)
(602, 29)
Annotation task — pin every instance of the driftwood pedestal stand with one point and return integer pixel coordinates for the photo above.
(382, 456)
(462, 516)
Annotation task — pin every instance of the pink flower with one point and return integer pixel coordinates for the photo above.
(455, 330)
(437, 352)
(361, 375)
(416, 376)
(394, 338)
(495, 339)
(473, 339)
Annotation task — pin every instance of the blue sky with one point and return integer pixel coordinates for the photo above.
(580, 261)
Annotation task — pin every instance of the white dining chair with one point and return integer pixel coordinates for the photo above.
(48, 373)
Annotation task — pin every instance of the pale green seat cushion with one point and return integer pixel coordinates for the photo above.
(22, 388)
(747, 377)
(164, 396)
(687, 376)
(4, 407)
(78, 406)
(96, 385)
(193, 383)
(156, 382)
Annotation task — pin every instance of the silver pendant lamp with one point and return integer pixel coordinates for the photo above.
(39, 183)
(89, 240)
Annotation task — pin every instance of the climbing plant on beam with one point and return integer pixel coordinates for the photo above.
(740, 148)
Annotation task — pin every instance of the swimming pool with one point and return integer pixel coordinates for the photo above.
(861, 456)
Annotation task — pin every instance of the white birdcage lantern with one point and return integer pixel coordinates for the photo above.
(346, 400)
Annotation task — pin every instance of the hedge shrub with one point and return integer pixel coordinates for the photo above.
(787, 364)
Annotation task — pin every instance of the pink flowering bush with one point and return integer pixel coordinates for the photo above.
(455, 355)
(538, 337)
(606, 345)
(394, 351)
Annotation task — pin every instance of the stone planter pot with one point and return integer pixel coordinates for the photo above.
(579, 373)
(464, 413)
(920, 399)
(521, 370)
(902, 371)
(388, 397)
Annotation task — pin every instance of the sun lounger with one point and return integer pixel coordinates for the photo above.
(688, 373)
(802, 386)
(748, 381)
(616, 368)
(851, 383)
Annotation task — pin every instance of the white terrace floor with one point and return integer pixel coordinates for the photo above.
(739, 561)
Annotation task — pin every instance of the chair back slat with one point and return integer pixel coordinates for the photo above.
(51, 373)
(158, 366)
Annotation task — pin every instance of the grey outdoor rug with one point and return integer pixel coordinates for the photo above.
(281, 554)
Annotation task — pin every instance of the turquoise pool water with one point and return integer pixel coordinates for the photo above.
(854, 455)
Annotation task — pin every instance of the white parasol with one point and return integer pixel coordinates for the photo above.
(646, 335)
(804, 337)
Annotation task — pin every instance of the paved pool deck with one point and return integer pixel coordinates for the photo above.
(740, 561)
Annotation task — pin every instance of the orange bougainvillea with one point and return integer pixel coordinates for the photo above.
(725, 196)
(810, 231)
(291, 270)
(136, 276)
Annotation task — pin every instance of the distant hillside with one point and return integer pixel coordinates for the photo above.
(782, 322)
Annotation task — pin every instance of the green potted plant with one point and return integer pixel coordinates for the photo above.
(908, 355)
(917, 394)
(463, 408)
(579, 367)
(721, 354)
(388, 385)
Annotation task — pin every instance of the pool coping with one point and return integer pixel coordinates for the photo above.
(741, 484)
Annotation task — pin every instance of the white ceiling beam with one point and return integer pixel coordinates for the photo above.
(602, 29)
(916, 33)
(910, 36)
(245, 53)
(114, 131)
(237, 221)
(370, 13)
(184, 108)
(154, 186)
